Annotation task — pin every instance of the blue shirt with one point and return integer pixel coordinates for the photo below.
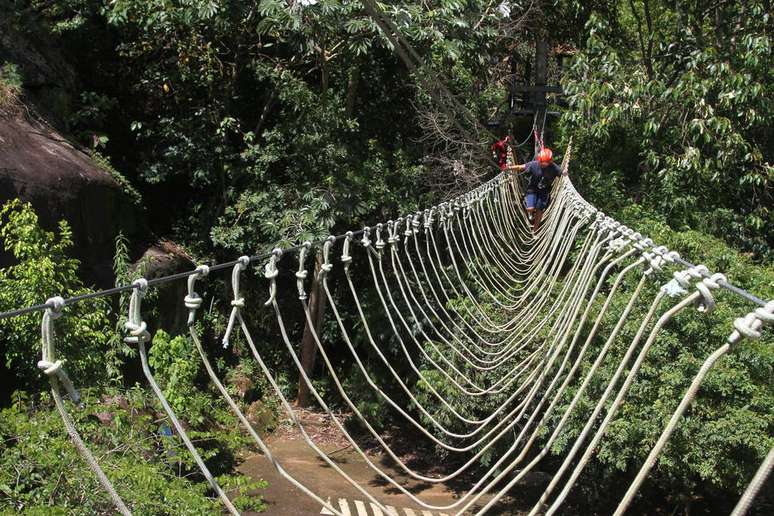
(540, 179)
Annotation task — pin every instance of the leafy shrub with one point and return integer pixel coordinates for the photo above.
(44, 268)
(10, 87)
(41, 472)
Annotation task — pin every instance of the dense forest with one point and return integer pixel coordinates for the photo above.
(233, 127)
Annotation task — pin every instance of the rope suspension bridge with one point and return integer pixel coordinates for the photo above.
(473, 296)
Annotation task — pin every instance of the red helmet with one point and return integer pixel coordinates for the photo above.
(545, 155)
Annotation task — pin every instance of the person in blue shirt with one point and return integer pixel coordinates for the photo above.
(540, 176)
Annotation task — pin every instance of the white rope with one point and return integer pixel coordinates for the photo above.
(54, 369)
(139, 335)
(495, 310)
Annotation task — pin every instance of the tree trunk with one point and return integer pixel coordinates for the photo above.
(317, 301)
(352, 87)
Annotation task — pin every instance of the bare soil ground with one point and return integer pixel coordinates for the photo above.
(288, 446)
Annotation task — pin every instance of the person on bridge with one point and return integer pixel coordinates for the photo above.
(500, 152)
(540, 176)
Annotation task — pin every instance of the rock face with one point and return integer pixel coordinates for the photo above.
(50, 83)
(165, 258)
(39, 166)
(37, 162)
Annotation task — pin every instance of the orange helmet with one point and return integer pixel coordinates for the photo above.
(545, 155)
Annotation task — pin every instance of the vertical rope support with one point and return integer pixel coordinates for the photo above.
(54, 369)
(138, 334)
(744, 503)
(238, 302)
(745, 327)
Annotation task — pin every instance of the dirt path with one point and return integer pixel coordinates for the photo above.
(304, 464)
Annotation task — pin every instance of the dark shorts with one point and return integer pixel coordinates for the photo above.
(537, 200)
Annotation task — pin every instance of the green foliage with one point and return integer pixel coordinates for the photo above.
(177, 364)
(131, 192)
(41, 472)
(679, 120)
(44, 268)
(727, 432)
(10, 86)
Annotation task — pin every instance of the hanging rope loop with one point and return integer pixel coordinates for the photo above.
(301, 273)
(428, 220)
(392, 230)
(409, 227)
(327, 266)
(416, 222)
(48, 363)
(749, 325)
(271, 272)
(346, 258)
(366, 240)
(654, 261)
(193, 300)
(707, 302)
(138, 330)
(379, 240)
(238, 302)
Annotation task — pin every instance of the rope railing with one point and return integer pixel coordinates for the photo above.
(473, 296)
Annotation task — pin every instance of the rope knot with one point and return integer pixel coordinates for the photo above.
(138, 330)
(766, 314)
(379, 240)
(192, 302)
(327, 266)
(409, 226)
(243, 262)
(707, 302)
(654, 261)
(749, 325)
(366, 240)
(392, 231)
(672, 256)
(745, 326)
(714, 280)
(56, 305)
(682, 277)
(428, 220)
(346, 258)
(50, 368)
(48, 362)
(238, 302)
(270, 272)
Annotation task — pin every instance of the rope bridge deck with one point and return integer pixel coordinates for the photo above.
(490, 307)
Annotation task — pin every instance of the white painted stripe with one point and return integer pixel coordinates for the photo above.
(326, 510)
(391, 511)
(361, 508)
(344, 506)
